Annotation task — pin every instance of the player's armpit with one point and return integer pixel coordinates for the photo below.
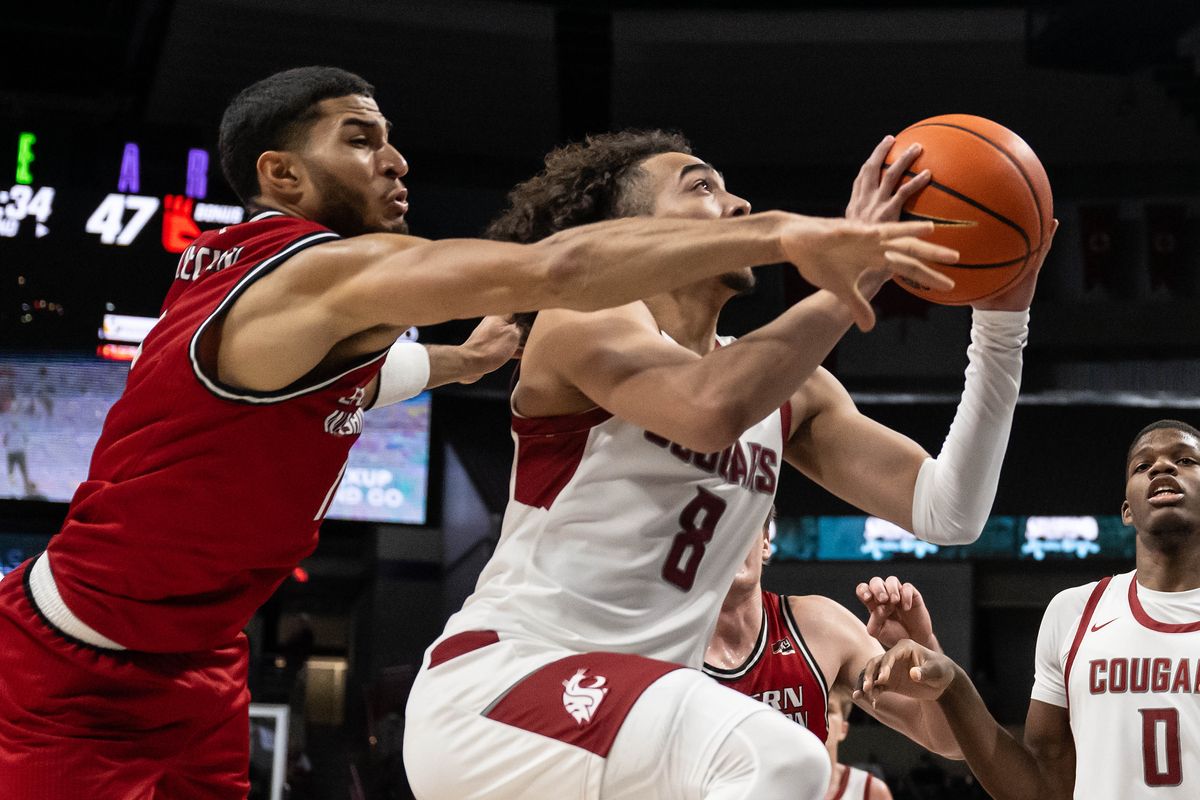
(851, 455)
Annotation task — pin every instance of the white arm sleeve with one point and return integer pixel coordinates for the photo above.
(1054, 640)
(954, 491)
(404, 374)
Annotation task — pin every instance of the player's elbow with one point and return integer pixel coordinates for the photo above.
(561, 276)
(950, 534)
(715, 424)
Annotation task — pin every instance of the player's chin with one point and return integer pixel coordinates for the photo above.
(390, 225)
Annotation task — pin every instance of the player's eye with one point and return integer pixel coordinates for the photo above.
(1141, 467)
(702, 184)
(1187, 460)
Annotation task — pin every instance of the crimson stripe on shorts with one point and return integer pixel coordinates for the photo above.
(1147, 621)
(541, 702)
(549, 450)
(461, 644)
(1088, 611)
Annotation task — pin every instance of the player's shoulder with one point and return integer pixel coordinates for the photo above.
(821, 616)
(1068, 604)
(593, 326)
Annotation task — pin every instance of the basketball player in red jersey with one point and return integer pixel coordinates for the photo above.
(847, 782)
(123, 665)
(793, 652)
(1113, 710)
(647, 456)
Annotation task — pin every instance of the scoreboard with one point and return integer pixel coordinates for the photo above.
(91, 227)
(91, 222)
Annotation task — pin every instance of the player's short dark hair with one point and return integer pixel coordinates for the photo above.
(273, 114)
(1162, 424)
(588, 181)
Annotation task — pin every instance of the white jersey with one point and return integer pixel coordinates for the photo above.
(855, 784)
(616, 539)
(1125, 661)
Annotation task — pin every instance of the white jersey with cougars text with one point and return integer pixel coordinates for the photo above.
(616, 539)
(1125, 661)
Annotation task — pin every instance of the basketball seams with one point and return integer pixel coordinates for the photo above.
(1017, 164)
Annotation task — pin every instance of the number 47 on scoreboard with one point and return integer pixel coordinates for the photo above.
(108, 220)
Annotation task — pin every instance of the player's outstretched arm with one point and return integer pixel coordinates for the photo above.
(1042, 767)
(349, 297)
(386, 281)
(841, 633)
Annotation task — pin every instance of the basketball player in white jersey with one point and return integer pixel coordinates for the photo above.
(847, 782)
(794, 652)
(1114, 709)
(646, 456)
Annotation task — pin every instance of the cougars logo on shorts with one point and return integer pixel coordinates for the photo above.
(581, 700)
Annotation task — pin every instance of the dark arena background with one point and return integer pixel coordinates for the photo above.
(108, 163)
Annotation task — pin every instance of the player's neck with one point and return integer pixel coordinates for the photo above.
(1169, 563)
(689, 315)
(835, 775)
(261, 204)
(738, 627)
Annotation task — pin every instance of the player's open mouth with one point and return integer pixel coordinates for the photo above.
(1165, 493)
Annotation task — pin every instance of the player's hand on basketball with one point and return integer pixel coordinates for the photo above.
(906, 669)
(878, 194)
(844, 256)
(1019, 296)
(897, 611)
(490, 346)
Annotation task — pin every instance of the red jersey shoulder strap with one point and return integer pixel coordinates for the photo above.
(1084, 620)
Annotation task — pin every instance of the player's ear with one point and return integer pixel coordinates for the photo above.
(280, 174)
(1126, 513)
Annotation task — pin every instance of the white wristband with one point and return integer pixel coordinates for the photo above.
(955, 491)
(405, 373)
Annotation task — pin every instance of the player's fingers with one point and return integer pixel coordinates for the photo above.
(885, 670)
(863, 591)
(907, 190)
(893, 588)
(869, 174)
(917, 228)
(913, 597)
(923, 250)
(860, 310)
(911, 268)
(892, 175)
(879, 589)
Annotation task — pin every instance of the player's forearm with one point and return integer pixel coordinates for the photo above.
(744, 382)
(451, 364)
(616, 262)
(954, 492)
(1005, 768)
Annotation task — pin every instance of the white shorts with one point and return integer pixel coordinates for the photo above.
(516, 719)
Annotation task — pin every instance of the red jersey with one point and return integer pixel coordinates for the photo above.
(781, 670)
(201, 498)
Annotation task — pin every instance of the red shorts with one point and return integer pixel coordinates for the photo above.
(81, 722)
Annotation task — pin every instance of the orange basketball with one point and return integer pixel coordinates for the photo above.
(989, 198)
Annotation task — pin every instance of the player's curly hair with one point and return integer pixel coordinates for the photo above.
(588, 181)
